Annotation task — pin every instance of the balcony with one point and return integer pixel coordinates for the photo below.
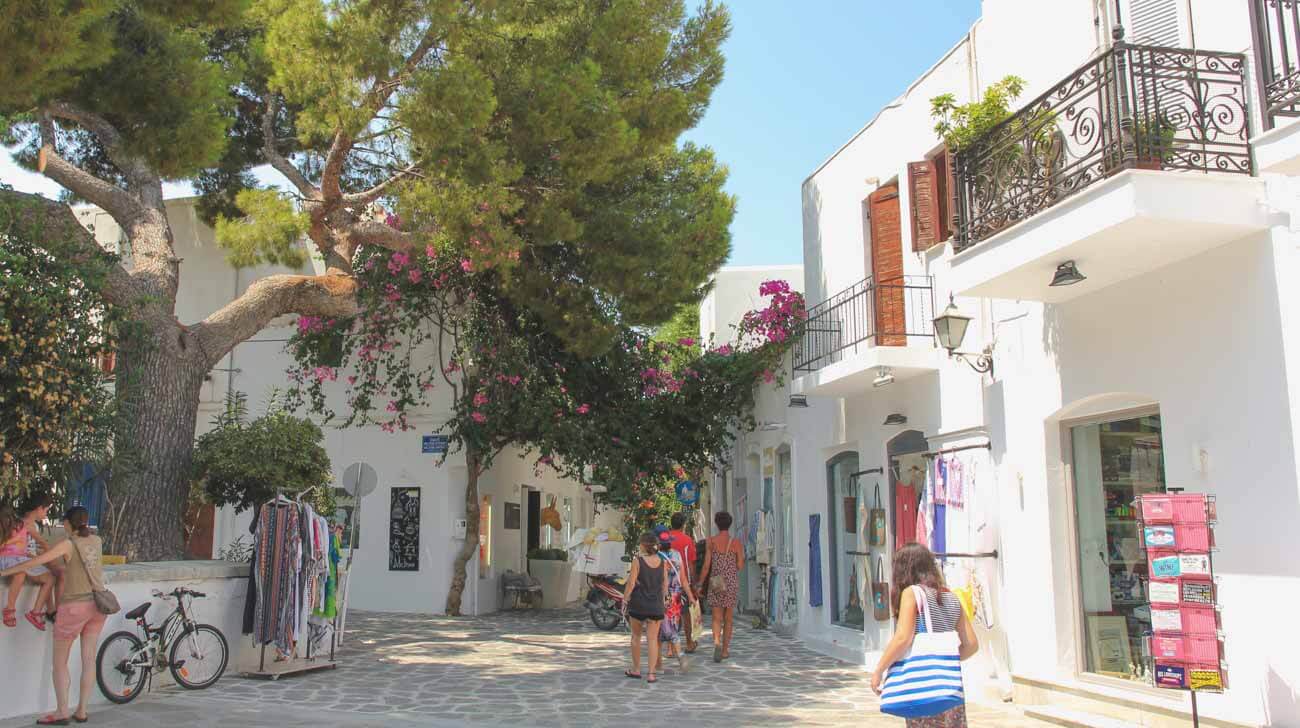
(847, 338)
(1139, 158)
(1276, 28)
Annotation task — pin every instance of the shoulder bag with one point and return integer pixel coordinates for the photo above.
(927, 680)
(105, 600)
(877, 520)
(880, 593)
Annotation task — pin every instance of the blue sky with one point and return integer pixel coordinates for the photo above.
(802, 77)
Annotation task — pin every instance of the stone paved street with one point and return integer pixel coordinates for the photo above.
(549, 668)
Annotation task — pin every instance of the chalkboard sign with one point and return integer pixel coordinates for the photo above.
(404, 530)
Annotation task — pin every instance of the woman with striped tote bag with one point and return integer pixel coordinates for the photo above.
(919, 673)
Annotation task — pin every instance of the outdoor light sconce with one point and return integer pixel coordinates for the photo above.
(798, 400)
(1067, 274)
(896, 420)
(950, 329)
(884, 375)
(771, 426)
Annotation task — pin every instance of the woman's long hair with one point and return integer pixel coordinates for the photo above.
(914, 564)
(79, 519)
(11, 515)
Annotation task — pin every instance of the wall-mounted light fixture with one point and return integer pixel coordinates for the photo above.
(798, 400)
(884, 375)
(896, 419)
(1067, 274)
(950, 329)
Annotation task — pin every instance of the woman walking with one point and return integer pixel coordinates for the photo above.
(645, 596)
(724, 557)
(78, 617)
(914, 566)
(672, 628)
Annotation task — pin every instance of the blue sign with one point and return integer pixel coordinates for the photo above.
(433, 444)
(688, 494)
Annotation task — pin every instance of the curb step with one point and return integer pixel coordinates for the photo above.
(1073, 718)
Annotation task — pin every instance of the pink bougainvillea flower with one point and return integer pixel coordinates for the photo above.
(480, 399)
(768, 376)
(352, 380)
(392, 220)
(515, 379)
(688, 341)
(430, 251)
(466, 265)
(478, 417)
(414, 275)
(584, 409)
(724, 350)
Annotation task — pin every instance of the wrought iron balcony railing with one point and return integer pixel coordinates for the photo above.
(1276, 28)
(1131, 107)
(887, 313)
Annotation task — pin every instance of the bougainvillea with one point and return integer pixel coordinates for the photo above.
(435, 330)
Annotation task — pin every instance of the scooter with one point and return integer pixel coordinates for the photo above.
(605, 600)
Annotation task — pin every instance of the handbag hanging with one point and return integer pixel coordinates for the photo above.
(934, 661)
(876, 518)
(880, 593)
(717, 584)
(105, 600)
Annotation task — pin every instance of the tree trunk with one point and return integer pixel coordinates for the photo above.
(158, 386)
(459, 569)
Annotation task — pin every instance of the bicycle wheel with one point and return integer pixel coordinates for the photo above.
(198, 657)
(121, 668)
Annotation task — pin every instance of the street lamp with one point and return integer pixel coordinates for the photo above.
(950, 328)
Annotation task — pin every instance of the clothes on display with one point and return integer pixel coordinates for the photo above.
(905, 502)
(295, 576)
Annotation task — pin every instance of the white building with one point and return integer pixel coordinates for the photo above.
(259, 365)
(1169, 365)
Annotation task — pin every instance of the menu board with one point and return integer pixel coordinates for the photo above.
(1186, 643)
(404, 530)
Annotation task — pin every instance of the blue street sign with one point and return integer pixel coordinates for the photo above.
(688, 494)
(433, 444)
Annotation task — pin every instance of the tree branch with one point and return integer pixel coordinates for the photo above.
(366, 197)
(141, 178)
(107, 196)
(58, 220)
(372, 232)
(267, 298)
(278, 161)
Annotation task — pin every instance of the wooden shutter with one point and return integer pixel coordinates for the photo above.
(886, 261)
(923, 180)
(947, 187)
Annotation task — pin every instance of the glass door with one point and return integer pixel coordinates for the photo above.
(846, 547)
(1113, 463)
(786, 513)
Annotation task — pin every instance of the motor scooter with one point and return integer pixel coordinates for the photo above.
(605, 600)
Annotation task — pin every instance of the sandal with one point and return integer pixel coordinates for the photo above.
(633, 675)
(52, 720)
(10, 618)
(80, 720)
(682, 662)
(717, 653)
(36, 619)
(652, 679)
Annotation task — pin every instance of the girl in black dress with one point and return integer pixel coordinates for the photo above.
(645, 596)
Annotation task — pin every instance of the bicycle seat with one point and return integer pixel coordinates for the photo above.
(138, 612)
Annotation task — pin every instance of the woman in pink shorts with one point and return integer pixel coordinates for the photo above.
(78, 616)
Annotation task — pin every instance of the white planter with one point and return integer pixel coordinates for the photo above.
(555, 576)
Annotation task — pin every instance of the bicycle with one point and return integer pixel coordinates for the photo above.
(195, 653)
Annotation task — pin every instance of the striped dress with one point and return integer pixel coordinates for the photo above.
(945, 614)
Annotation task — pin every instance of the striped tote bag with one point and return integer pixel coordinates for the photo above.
(927, 680)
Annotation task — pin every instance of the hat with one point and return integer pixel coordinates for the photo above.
(660, 530)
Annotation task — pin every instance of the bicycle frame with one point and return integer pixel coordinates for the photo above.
(159, 639)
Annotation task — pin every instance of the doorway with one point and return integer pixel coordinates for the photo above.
(906, 481)
(534, 533)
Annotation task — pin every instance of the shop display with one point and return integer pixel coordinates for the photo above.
(1186, 647)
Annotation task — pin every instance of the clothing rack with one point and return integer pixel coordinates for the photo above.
(287, 666)
(981, 555)
(936, 453)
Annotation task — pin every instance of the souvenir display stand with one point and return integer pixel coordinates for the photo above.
(292, 550)
(1186, 644)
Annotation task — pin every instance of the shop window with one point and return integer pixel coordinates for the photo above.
(846, 549)
(785, 514)
(485, 537)
(1113, 463)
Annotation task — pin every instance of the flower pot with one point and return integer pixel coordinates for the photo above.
(554, 576)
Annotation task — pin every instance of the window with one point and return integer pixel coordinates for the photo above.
(845, 500)
(485, 537)
(566, 513)
(785, 515)
(1113, 463)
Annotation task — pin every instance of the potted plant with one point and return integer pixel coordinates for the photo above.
(1154, 140)
(553, 570)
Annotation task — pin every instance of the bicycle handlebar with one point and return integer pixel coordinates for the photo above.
(177, 593)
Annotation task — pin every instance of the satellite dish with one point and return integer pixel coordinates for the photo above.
(360, 480)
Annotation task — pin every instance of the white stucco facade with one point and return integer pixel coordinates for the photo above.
(258, 366)
(1188, 314)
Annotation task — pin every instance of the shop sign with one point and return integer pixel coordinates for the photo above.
(1159, 536)
(1194, 564)
(1171, 676)
(1166, 566)
(433, 444)
(1198, 592)
(1211, 680)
